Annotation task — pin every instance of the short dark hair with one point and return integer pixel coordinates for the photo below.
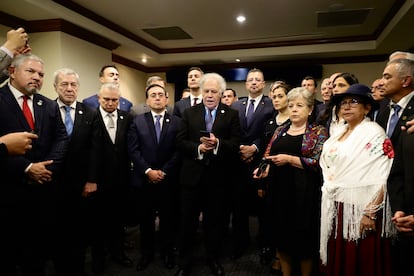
(311, 78)
(101, 73)
(231, 89)
(154, 85)
(195, 68)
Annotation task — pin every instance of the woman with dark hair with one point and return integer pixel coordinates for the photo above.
(331, 118)
(291, 167)
(355, 214)
(279, 95)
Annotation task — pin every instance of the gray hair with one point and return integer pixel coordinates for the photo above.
(407, 55)
(110, 86)
(153, 79)
(404, 67)
(305, 93)
(220, 80)
(19, 59)
(65, 72)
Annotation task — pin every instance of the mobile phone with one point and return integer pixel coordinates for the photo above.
(204, 133)
(262, 166)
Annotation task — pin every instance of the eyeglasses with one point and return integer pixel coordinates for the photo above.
(350, 102)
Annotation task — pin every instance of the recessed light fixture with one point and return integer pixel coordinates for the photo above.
(237, 60)
(144, 60)
(241, 18)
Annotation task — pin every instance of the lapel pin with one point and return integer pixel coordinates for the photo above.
(271, 122)
(222, 111)
(121, 117)
(167, 120)
(39, 102)
(404, 118)
(80, 112)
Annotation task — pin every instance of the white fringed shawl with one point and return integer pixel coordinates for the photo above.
(355, 173)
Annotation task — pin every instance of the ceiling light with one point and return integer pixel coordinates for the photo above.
(144, 60)
(237, 60)
(241, 18)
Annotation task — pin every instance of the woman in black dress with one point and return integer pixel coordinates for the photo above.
(294, 183)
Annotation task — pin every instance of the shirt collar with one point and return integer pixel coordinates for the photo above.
(61, 104)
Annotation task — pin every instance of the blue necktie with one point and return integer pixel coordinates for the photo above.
(394, 119)
(68, 120)
(209, 120)
(158, 127)
(250, 111)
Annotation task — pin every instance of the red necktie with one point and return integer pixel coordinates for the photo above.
(27, 113)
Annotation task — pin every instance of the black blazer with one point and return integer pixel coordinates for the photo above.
(180, 106)
(384, 113)
(226, 128)
(114, 162)
(80, 164)
(51, 144)
(263, 113)
(145, 152)
(401, 178)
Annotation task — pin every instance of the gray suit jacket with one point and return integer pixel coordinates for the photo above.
(5, 61)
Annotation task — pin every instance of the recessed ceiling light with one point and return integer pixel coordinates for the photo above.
(241, 18)
(144, 60)
(237, 60)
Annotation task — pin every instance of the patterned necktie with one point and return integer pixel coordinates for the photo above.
(209, 120)
(111, 127)
(68, 120)
(250, 111)
(158, 127)
(393, 120)
(27, 112)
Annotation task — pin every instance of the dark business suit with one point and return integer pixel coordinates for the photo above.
(180, 106)
(244, 193)
(22, 202)
(113, 179)
(383, 115)
(401, 193)
(93, 103)
(203, 182)
(145, 152)
(80, 166)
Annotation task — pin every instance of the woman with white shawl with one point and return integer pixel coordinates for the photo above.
(355, 215)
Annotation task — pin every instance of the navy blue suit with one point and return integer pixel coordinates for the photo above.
(383, 115)
(180, 106)
(93, 103)
(146, 153)
(23, 202)
(244, 192)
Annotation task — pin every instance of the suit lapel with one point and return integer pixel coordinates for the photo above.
(151, 127)
(38, 110)
(165, 126)
(14, 107)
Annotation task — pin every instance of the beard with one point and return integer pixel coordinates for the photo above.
(31, 90)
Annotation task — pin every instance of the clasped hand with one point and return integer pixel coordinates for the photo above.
(208, 144)
(39, 173)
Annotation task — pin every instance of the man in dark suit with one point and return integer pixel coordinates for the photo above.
(79, 176)
(152, 149)
(398, 88)
(193, 81)
(28, 181)
(113, 179)
(254, 112)
(401, 192)
(209, 142)
(108, 73)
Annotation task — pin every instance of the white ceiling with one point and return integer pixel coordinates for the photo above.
(275, 30)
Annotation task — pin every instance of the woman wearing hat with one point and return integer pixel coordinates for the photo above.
(355, 162)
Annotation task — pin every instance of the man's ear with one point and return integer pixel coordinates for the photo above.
(11, 69)
(407, 81)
